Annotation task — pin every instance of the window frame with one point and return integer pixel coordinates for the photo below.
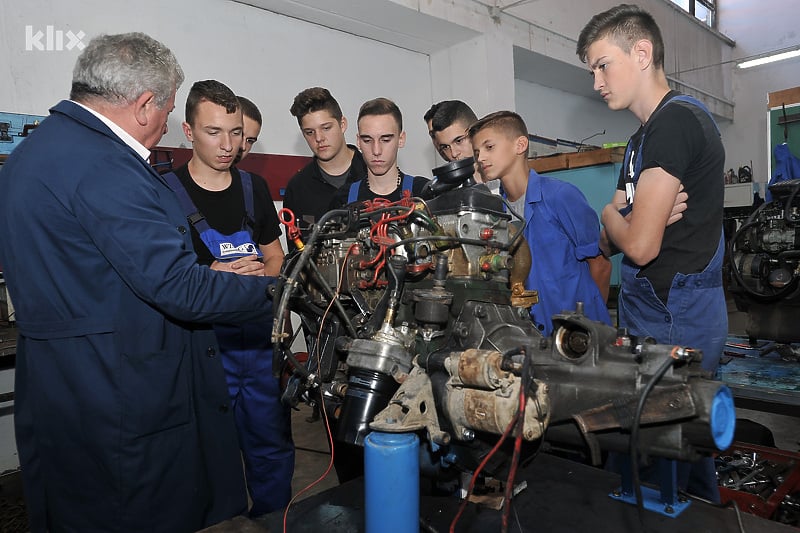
(710, 5)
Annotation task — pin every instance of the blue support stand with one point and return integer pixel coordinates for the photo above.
(391, 482)
(664, 501)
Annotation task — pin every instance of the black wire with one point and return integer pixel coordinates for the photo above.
(786, 216)
(348, 324)
(292, 279)
(519, 234)
(528, 381)
(731, 503)
(520, 430)
(634, 444)
(777, 295)
(449, 238)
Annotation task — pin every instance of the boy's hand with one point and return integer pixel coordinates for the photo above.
(245, 266)
(679, 207)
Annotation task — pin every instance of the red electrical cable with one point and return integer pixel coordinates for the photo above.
(520, 426)
(321, 399)
(481, 466)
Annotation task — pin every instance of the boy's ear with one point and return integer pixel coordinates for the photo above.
(187, 131)
(521, 145)
(643, 51)
(343, 124)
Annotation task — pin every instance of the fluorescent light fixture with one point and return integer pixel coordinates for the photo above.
(769, 59)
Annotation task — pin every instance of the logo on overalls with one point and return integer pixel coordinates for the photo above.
(227, 249)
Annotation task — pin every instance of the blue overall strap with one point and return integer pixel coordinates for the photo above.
(634, 167)
(249, 203)
(352, 195)
(193, 215)
(695, 102)
(408, 184)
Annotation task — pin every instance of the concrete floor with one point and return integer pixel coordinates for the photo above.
(312, 470)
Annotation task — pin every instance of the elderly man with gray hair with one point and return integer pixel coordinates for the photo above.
(121, 411)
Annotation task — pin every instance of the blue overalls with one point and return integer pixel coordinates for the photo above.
(262, 421)
(787, 167)
(352, 193)
(695, 315)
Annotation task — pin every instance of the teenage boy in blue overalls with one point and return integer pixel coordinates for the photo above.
(235, 228)
(672, 267)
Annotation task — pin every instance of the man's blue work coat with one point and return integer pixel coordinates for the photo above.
(121, 407)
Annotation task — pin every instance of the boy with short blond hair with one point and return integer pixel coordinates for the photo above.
(561, 229)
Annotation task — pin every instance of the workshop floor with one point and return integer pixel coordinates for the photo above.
(312, 454)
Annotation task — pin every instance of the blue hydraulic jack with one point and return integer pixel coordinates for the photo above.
(666, 501)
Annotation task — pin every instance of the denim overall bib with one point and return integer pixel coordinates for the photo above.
(222, 247)
(263, 423)
(696, 314)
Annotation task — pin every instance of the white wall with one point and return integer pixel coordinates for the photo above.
(264, 56)
(558, 114)
(474, 71)
(757, 28)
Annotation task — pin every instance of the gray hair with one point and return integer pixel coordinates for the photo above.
(120, 68)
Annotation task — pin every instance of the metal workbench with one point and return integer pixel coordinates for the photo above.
(760, 378)
(561, 496)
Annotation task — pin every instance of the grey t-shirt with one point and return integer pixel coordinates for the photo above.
(336, 181)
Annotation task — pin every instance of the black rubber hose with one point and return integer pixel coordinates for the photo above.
(766, 298)
(351, 330)
(634, 444)
(292, 279)
(788, 204)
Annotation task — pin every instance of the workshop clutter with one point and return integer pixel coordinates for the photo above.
(762, 481)
(744, 175)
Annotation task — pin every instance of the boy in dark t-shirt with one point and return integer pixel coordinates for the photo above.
(672, 266)
(335, 163)
(380, 136)
(220, 135)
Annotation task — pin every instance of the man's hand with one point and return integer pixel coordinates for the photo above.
(245, 266)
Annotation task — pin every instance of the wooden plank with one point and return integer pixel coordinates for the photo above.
(577, 159)
(549, 163)
(784, 97)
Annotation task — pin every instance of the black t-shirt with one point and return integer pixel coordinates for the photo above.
(225, 212)
(682, 139)
(309, 195)
(341, 196)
